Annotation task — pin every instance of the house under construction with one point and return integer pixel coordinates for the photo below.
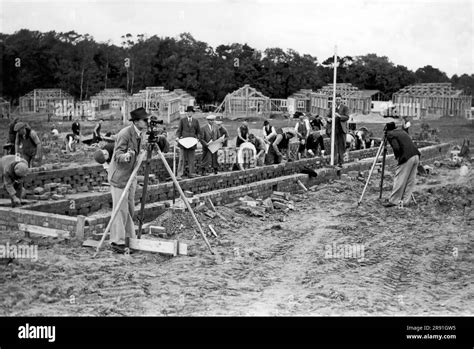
(246, 101)
(109, 98)
(44, 100)
(432, 100)
(358, 101)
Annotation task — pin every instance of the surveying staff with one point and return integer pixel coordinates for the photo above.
(12, 172)
(127, 148)
(27, 143)
(209, 133)
(188, 127)
(408, 158)
(342, 115)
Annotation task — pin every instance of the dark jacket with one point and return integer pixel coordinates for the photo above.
(207, 135)
(186, 130)
(402, 145)
(120, 171)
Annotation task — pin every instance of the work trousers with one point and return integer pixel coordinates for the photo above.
(122, 225)
(404, 182)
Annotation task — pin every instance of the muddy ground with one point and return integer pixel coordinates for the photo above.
(416, 260)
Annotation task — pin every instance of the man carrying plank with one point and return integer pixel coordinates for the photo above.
(127, 148)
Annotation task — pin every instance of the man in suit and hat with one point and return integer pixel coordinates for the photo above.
(209, 133)
(342, 115)
(408, 157)
(188, 127)
(12, 172)
(127, 148)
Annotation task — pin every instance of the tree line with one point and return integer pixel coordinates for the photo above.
(81, 66)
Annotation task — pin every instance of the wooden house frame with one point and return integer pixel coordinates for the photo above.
(110, 98)
(246, 101)
(433, 100)
(44, 100)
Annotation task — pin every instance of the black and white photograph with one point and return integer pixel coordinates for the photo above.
(246, 160)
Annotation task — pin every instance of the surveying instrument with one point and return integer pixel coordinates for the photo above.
(153, 133)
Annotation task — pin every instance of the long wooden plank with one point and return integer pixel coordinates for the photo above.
(182, 247)
(35, 229)
(159, 246)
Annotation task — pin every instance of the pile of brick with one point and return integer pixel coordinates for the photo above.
(54, 191)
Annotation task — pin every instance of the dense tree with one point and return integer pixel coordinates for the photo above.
(81, 66)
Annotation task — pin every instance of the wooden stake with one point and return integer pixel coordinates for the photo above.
(184, 198)
(302, 185)
(213, 231)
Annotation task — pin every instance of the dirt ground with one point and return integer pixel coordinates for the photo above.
(416, 260)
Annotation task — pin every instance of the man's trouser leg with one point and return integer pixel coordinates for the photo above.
(181, 162)
(191, 158)
(261, 159)
(205, 159)
(402, 174)
(411, 179)
(215, 164)
(122, 225)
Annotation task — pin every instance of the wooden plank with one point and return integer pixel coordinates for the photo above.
(211, 205)
(158, 246)
(81, 222)
(302, 185)
(213, 231)
(91, 243)
(182, 248)
(34, 229)
(155, 229)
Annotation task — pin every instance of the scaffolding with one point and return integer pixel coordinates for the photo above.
(5, 109)
(432, 100)
(246, 101)
(44, 101)
(109, 98)
(358, 101)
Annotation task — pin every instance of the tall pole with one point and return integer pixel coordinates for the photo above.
(333, 124)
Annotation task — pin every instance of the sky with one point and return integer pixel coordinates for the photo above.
(413, 33)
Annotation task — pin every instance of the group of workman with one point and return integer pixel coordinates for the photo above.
(123, 153)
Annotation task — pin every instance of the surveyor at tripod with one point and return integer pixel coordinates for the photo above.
(127, 148)
(408, 157)
(342, 115)
(12, 172)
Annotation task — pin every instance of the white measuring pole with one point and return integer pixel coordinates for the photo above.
(333, 124)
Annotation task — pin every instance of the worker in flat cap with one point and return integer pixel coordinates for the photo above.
(209, 133)
(13, 170)
(127, 147)
(27, 143)
(408, 156)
